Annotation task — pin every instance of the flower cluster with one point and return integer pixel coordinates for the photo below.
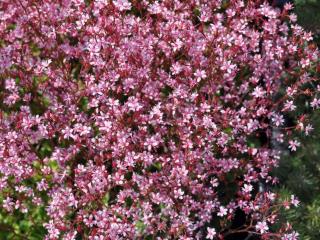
(150, 119)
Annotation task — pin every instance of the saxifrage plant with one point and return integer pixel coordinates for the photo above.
(151, 119)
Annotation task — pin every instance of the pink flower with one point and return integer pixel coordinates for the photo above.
(200, 74)
(258, 92)
(8, 204)
(211, 233)
(214, 182)
(315, 103)
(290, 236)
(289, 106)
(122, 4)
(222, 211)
(178, 193)
(305, 63)
(10, 84)
(293, 144)
(293, 17)
(308, 129)
(262, 227)
(247, 188)
(294, 201)
(277, 119)
(288, 6)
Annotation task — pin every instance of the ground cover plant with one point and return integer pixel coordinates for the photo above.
(150, 119)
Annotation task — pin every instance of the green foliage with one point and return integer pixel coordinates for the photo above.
(308, 12)
(20, 226)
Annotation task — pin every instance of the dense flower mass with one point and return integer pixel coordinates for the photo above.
(151, 119)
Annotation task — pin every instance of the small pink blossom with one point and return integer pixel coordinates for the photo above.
(288, 6)
(262, 227)
(8, 204)
(289, 106)
(258, 92)
(211, 233)
(200, 74)
(315, 103)
(293, 17)
(290, 236)
(222, 211)
(247, 188)
(294, 201)
(293, 144)
(277, 119)
(308, 129)
(305, 63)
(122, 4)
